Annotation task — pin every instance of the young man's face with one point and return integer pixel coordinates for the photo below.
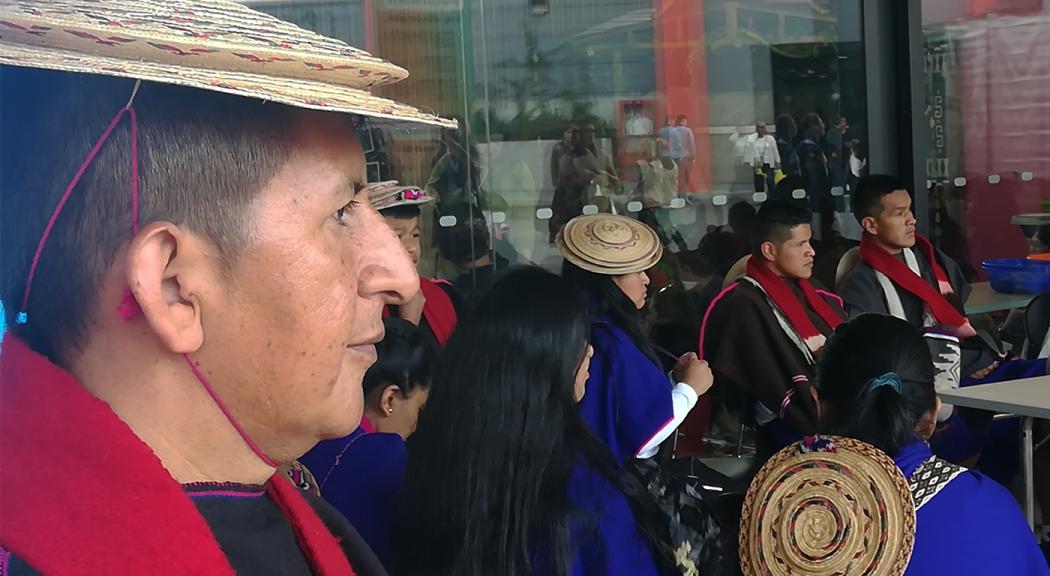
(792, 258)
(894, 227)
(410, 234)
(289, 330)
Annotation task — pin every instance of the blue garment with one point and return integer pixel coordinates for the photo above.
(999, 442)
(605, 532)
(972, 526)
(628, 398)
(361, 476)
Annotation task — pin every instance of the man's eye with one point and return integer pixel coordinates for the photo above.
(340, 214)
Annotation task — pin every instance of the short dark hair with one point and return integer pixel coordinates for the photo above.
(404, 358)
(203, 158)
(775, 221)
(860, 351)
(404, 212)
(810, 120)
(866, 199)
(680, 117)
(466, 241)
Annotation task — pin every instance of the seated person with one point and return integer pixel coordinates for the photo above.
(435, 305)
(902, 275)
(504, 476)
(763, 333)
(876, 385)
(361, 474)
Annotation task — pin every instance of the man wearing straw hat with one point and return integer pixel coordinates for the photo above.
(194, 282)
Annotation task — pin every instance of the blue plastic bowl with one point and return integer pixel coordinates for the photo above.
(1018, 275)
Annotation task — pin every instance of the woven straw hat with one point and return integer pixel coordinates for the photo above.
(389, 194)
(208, 44)
(830, 506)
(609, 244)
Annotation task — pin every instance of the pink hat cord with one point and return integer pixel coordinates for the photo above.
(128, 307)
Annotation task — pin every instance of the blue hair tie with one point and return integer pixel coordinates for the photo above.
(888, 379)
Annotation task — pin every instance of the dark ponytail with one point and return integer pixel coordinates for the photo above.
(875, 380)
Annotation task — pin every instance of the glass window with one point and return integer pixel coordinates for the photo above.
(987, 91)
(684, 114)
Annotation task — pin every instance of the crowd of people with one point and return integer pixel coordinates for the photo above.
(222, 358)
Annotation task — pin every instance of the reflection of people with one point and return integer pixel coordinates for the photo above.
(858, 163)
(631, 404)
(360, 474)
(455, 178)
(884, 395)
(786, 131)
(684, 154)
(201, 310)
(811, 164)
(637, 124)
(502, 471)
(468, 246)
(587, 175)
(434, 307)
(569, 136)
(763, 157)
(837, 151)
(764, 333)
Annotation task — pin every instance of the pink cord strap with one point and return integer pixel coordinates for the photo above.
(226, 412)
(23, 312)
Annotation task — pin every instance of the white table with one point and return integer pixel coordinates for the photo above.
(1029, 399)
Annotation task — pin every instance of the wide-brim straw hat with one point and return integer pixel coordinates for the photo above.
(208, 44)
(831, 506)
(391, 194)
(609, 244)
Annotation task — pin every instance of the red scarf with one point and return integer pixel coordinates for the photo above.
(82, 495)
(899, 273)
(437, 309)
(777, 289)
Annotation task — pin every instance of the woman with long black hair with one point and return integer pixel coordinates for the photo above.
(631, 404)
(503, 475)
(876, 385)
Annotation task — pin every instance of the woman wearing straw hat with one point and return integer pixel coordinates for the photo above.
(194, 284)
(631, 405)
(906, 513)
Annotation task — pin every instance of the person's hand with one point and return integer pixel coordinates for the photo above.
(984, 372)
(693, 372)
(413, 309)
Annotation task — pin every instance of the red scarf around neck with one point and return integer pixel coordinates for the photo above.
(84, 496)
(777, 289)
(899, 273)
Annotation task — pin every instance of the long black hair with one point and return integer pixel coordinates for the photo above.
(606, 299)
(860, 352)
(491, 460)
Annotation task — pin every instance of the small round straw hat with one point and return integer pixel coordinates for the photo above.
(609, 244)
(828, 505)
(390, 194)
(213, 45)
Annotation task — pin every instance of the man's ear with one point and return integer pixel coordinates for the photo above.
(165, 275)
(870, 225)
(769, 251)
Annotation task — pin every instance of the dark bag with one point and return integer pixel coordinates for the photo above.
(700, 536)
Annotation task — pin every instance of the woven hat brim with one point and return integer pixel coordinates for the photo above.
(867, 466)
(595, 263)
(380, 206)
(606, 268)
(299, 93)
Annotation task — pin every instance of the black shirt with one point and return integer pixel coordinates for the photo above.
(255, 535)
